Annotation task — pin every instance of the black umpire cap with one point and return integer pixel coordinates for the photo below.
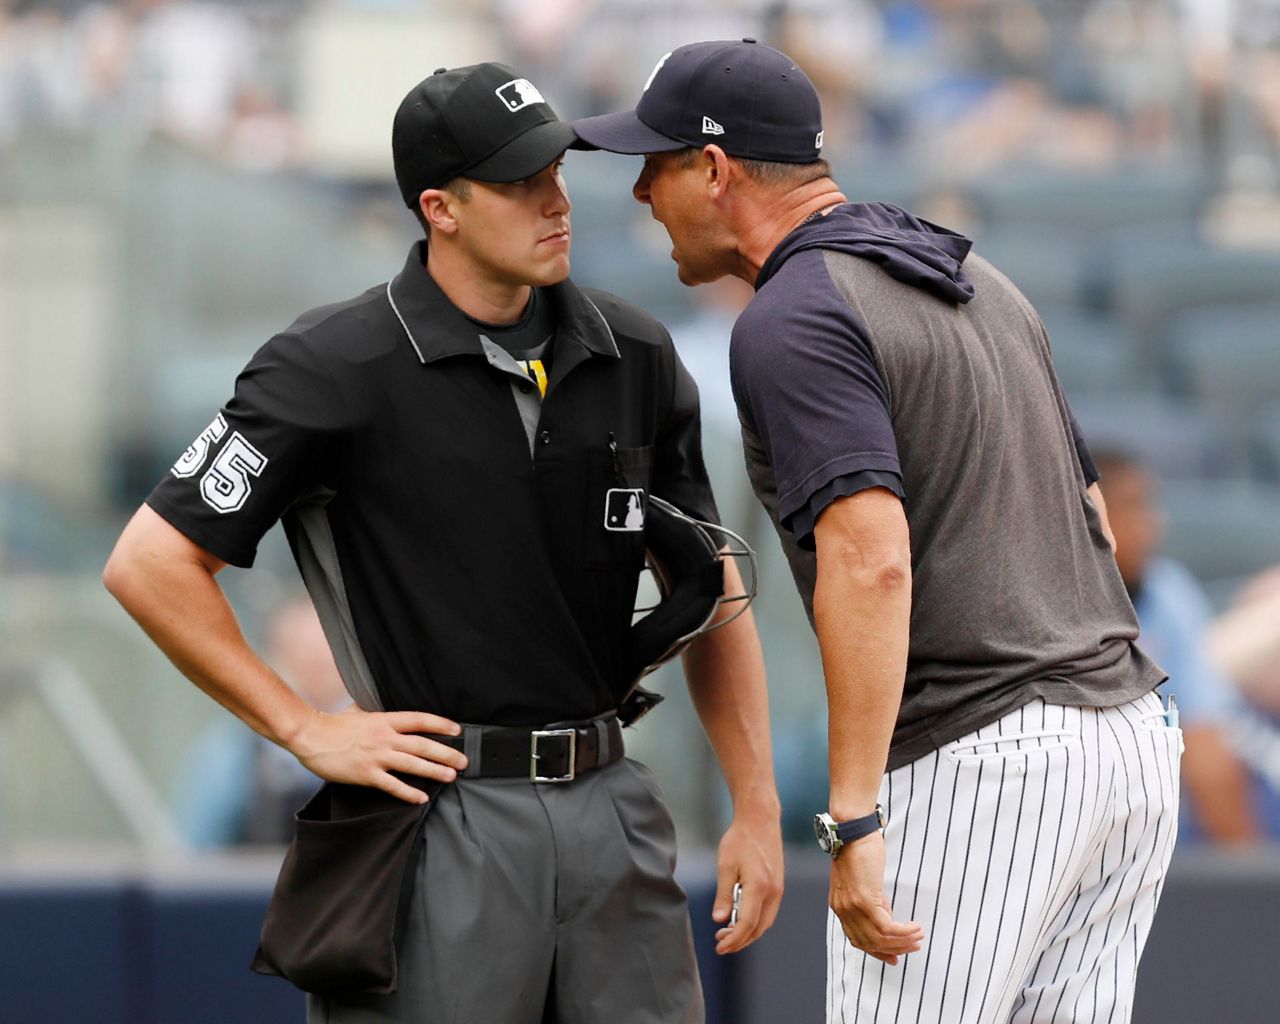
(749, 99)
(483, 122)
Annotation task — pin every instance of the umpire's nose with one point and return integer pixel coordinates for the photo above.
(555, 194)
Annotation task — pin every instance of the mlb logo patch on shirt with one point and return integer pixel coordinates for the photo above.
(624, 509)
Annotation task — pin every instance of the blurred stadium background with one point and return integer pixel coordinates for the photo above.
(179, 179)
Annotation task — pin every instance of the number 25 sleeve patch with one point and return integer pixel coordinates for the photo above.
(260, 452)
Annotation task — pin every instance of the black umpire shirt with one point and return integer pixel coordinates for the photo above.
(456, 567)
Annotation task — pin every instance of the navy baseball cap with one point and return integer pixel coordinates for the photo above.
(483, 122)
(749, 99)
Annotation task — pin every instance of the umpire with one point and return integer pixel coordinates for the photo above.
(906, 433)
(462, 460)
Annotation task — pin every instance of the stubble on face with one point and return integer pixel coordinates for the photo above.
(675, 192)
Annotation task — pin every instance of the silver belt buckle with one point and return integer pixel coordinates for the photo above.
(534, 756)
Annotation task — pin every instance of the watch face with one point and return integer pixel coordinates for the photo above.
(822, 832)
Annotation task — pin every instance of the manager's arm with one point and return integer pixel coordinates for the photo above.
(862, 610)
(167, 583)
(1095, 495)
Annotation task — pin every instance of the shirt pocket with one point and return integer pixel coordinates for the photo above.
(617, 503)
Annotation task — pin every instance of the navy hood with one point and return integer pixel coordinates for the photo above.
(908, 249)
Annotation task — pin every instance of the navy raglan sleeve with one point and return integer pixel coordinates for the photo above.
(264, 448)
(1090, 468)
(806, 383)
(1087, 465)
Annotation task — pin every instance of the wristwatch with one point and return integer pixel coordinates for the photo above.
(834, 835)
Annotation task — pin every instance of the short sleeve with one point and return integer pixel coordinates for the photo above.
(802, 524)
(262, 450)
(679, 471)
(806, 382)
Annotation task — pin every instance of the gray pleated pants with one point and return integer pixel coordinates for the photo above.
(542, 904)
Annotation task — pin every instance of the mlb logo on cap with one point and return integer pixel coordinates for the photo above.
(448, 126)
(624, 510)
(518, 94)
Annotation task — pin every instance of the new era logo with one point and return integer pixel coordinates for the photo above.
(518, 94)
(817, 143)
(710, 127)
(624, 509)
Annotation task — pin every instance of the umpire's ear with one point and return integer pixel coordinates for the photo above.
(437, 206)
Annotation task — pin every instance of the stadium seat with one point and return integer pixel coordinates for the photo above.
(1266, 442)
(1153, 278)
(600, 188)
(1092, 353)
(1048, 274)
(880, 179)
(1226, 356)
(622, 261)
(1177, 439)
(1221, 529)
(1082, 204)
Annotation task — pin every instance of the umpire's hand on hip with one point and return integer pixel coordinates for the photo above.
(858, 899)
(365, 747)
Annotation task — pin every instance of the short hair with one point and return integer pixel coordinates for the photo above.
(460, 187)
(766, 172)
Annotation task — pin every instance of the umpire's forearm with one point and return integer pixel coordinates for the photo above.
(726, 676)
(165, 583)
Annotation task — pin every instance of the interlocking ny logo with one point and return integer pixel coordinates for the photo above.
(654, 73)
(710, 127)
(624, 509)
(518, 94)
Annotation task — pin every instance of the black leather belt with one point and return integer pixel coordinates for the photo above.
(552, 753)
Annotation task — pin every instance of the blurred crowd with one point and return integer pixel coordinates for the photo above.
(197, 72)
(1224, 671)
(965, 85)
(169, 196)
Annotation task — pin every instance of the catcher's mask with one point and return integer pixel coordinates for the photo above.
(686, 558)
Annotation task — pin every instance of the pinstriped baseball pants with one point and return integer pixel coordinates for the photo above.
(1033, 852)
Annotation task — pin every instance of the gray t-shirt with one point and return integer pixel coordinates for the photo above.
(868, 358)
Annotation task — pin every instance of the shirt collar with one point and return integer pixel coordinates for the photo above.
(437, 329)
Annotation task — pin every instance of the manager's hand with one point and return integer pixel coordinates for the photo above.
(365, 747)
(857, 896)
(750, 854)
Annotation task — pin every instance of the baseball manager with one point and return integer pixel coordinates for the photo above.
(1003, 777)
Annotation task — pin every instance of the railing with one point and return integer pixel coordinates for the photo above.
(79, 714)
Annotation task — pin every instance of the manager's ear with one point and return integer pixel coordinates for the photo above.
(717, 170)
(437, 206)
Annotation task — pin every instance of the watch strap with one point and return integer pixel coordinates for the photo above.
(852, 831)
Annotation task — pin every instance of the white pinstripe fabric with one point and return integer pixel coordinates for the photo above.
(1032, 851)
